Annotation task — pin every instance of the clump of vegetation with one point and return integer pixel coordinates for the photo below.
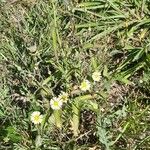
(74, 74)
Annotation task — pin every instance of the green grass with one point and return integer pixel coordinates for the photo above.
(49, 46)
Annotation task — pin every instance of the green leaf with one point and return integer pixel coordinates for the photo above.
(13, 135)
(90, 105)
(138, 55)
(94, 63)
(105, 72)
(75, 118)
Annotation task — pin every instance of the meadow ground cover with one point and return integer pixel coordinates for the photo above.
(75, 74)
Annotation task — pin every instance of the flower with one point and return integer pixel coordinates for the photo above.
(96, 76)
(64, 97)
(85, 85)
(56, 103)
(36, 117)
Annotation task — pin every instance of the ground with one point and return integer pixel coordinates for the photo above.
(48, 47)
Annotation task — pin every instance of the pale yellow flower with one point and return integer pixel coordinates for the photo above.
(56, 103)
(36, 117)
(96, 76)
(85, 85)
(64, 97)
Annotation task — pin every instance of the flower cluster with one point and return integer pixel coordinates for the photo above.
(85, 85)
(96, 76)
(57, 102)
(36, 117)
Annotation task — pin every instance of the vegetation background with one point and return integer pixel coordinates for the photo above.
(47, 46)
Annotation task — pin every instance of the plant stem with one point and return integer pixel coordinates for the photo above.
(58, 120)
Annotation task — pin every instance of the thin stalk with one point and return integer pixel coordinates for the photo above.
(54, 30)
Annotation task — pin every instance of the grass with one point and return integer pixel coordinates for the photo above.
(51, 46)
